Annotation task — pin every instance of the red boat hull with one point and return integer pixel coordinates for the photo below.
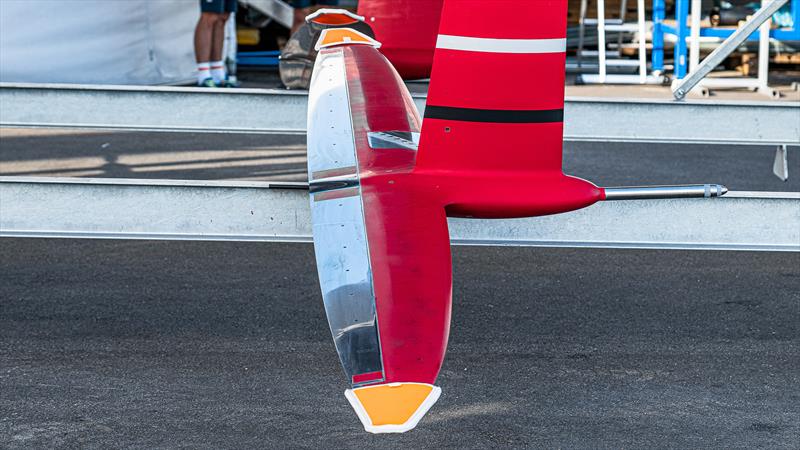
(407, 29)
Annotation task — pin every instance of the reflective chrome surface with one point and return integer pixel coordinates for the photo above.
(330, 143)
(340, 245)
(683, 191)
(340, 240)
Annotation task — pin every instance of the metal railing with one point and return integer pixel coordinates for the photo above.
(253, 211)
(274, 111)
(279, 212)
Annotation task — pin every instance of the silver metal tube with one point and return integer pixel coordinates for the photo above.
(601, 38)
(640, 11)
(694, 47)
(763, 50)
(652, 192)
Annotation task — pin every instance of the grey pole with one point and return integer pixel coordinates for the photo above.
(653, 192)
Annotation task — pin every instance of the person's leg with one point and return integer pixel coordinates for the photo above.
(217, 45)
(210, 10)
(218, 39)
(202, 37)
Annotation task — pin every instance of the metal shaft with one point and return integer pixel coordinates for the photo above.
(651, 192)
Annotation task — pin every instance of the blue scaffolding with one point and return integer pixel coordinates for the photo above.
(681, 31)
(258, 59)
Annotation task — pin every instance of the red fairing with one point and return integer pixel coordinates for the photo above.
(495, 148)
(407, 30)
(494, 154)
(510, 19)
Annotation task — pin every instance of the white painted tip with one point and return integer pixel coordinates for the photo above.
(392, 407)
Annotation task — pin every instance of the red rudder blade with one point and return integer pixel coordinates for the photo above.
(498, 78)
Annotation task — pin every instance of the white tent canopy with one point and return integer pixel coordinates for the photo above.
(98, 41)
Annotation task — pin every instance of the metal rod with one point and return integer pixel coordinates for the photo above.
(694, 48)
(763, 50)
(601, 38)
(150, 183)
(642, 42)
(654, 192)
(581, 31)
(593, 78)
(682, 32)
(729, 45)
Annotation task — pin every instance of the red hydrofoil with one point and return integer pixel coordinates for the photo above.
(383, 184)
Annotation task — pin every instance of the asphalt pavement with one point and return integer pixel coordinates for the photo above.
(154, 344)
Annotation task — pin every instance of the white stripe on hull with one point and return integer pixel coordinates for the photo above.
(489, 45)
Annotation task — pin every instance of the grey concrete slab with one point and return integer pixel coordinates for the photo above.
(128, 344)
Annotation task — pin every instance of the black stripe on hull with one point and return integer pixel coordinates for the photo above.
(494, 115)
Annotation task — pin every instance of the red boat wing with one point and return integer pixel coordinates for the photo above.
(409, 245)
(409, 248)
(380, 236)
